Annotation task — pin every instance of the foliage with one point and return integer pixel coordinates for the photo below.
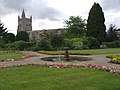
(83, 43)
(76, 27)
(114, 58)
(2, 43)
(77, 43)
(111, 34)
(90, 43)
(2, 29)
(22, 35)
(9, 37)
(68, 43)
(62, 53)
(85, 52)
(18, 45)
(57, 41)
(115, 44)
(43, 44)
(95, 23)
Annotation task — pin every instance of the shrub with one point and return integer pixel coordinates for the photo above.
(2, 43)
(90, 43)
(114, 44)
(57, 41)
(83, 43)
(43, 44)
(18, 45)
(77, 43)
(9, 37)
(68, 43)
(114, 58)
(22, 35)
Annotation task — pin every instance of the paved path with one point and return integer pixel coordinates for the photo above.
(97, 59)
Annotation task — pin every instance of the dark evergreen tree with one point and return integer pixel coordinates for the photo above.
(22, 35)
(95, 23)
(111, 34)
(9, 37)
(2, 29)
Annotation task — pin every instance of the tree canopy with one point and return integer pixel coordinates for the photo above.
(95, 23)
(22, 35)
(2, 29)
(9, 37)
(76, 27)
(111, 33)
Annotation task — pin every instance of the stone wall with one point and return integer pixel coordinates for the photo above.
(38, 34)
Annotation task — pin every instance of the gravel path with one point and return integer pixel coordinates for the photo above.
(97, 59)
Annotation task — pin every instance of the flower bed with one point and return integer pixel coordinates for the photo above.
(62, 53)
(98, 67)
(114, 58)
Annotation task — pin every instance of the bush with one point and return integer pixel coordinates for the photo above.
(9, 37)
(19, 45)
(90, 43)
(115, 44)
(83, 43)
(77, 43)
(43, 44)
(2, 43)
(22, 35)
(69, 43)
(57, 41)
(114, 58)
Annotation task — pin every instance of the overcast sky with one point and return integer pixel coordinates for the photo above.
(50, 14)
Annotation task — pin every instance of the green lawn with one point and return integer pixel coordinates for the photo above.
(43, 78)
(10, 56)
(85, 52)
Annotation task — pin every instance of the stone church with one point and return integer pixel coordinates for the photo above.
(25, 24)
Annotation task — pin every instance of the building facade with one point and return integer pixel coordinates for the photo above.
(25, 24)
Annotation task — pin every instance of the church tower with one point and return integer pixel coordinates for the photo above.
(24, 24)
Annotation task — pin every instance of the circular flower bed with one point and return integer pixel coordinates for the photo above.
(98, 67)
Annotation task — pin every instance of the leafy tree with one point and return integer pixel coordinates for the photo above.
(2, 29)
(95, 23)
(22, 35)
(76, 27)
(111, 34)
(9, 37)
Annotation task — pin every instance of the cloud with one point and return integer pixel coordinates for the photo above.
(43, 11)
(111, 5)
(39, 9)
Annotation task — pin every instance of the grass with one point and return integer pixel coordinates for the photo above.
(10, 56)
(43, 78)
(85, 52)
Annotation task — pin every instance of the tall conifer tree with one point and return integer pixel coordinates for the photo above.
(95, 23)
(2, 29)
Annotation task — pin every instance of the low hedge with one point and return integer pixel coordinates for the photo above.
(62, 53)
